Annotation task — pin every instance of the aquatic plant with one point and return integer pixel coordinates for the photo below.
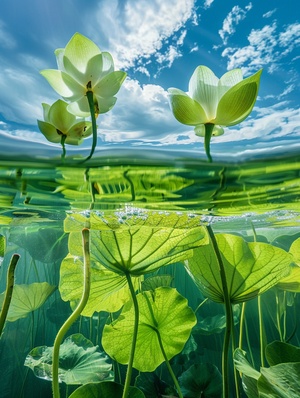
(212, 103)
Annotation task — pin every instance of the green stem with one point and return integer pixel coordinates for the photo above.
(62, 141)
(175, 381)
(76, 313)
(209, 127)
(134, 336)
(200, 305)
(228, 314)
(278, 316)
(261, 332)
(9, 290)
(90, 97)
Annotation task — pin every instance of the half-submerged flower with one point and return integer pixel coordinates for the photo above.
(86, 79)
(61, 126)
(212, 103)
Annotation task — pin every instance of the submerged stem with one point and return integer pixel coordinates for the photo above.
(75, 314)
(134, 336)
(9, 289)
(228, 314)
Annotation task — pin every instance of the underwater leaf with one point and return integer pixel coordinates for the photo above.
(250, 268)
(280, 381)
(27, 298)
(79, 362)
(105, 389)
(295, 251)
(153, 386)
(139, 241)
(291, 282)
(164, 315)
(280, 352)
(201, 380)
(2, 245)
(156, 281)
(109, 291)
(242, 365)
(217, 323)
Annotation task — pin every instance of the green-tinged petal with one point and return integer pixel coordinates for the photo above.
(46, 108)
(203, 87)
(237, 103)
(80, 107)
(228, 80)
(49, 131)
(105, 104)
(185, 109)
(63, 84)
(80, 50)
(92, 73)
(59, 53)
(110, 84)
(60, 117)
(108, 63)
(78, 132)
(200, 130)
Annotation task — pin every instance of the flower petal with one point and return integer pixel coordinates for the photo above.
(105, 104)
(185, 109)
(108, 63)
(59, 53)
(80, 50)
(228, 80)
(63, 84)
(77, 133)
(203, 87)
(46, 108)
(200, 130)
(237, 103)
(60, 117)
(49, 131)
(80, 107)
(92, 73)
(110, 84)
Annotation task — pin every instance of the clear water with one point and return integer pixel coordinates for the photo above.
(35, 197)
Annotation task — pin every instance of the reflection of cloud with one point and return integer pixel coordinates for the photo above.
(138, 30)
(266, 47)
(236, 15)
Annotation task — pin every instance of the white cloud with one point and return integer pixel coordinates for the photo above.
(135, 31)
(236, 15)
(263, 48)
(269, 13)
(208, 3)
(6, 39)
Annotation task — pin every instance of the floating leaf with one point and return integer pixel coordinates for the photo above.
(138, 241)
(109, 291)
(201, 380)
(165, 315)
(279, 352)
(79, 361)
(105, 389)
(250, 268)
(27, 298)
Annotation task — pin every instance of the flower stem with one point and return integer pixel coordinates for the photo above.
(228, 314)
(76, 313)
(90, 98)
(209, 127)
(134, 336)
(62, 141)
(9, 290)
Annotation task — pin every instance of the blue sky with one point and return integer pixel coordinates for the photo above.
(158, 43)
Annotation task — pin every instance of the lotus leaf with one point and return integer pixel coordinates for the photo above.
(105, 389)
(164, 316)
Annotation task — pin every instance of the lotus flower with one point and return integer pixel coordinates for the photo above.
(84, 68)
(212, 103)
(59, 125)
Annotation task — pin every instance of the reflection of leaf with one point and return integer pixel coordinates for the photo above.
(105, 389)
(27, 298)
(109, 291)
(137, 241)
(45, 244)
(79, 361)
(163, 312)
(251, 268)
(201, 380)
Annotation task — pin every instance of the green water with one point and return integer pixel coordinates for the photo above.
(256, 200)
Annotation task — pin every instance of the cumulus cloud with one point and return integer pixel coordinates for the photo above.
(138, 30)
(207, 3)
(236, 15)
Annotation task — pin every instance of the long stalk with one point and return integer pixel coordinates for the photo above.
(134, 336)
(90, 97)
(228, 314)
(261, 332)
(9, 289)
(76, 313)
